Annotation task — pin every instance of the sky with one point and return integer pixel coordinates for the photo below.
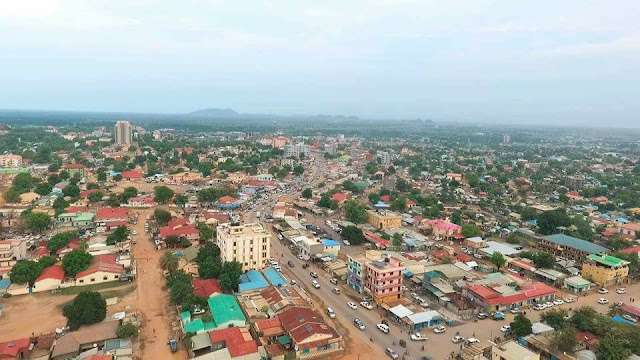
(533, 62)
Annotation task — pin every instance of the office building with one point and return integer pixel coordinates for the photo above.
(605, 270)
(122, 133)
(248, 244)
(384, 220)
(385, 157)
(295, 150)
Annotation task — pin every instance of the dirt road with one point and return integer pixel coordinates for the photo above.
(152, 298)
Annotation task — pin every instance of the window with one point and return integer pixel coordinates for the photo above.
(105, 278)
(93, 279)
(81, 281)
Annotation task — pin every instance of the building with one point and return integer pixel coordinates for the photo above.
(309, 334)
(295, 150)
(11, 251)
(122, 133)
(248, 244)
(575, 182)
(180, 228)
(10, 161)
(629, 231)
(454, 177)
(384, 279)
(103, 268)
(94, 336)
(15, 349)
(500, 298)
(384, 220)
(356, 271)
(76, 170)
(605, 270)
(577, 284)
(568, 247)
(511, 350)
(385, 157)
(51, 278)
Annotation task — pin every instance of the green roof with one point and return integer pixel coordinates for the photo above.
(194, 327)
(570, 241)
(284, 339)
(607, 260)
(85, 216)
(225, 308)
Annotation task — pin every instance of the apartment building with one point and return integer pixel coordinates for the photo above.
(295, 150)
(568, 247)
(356, 271)
(385, 157)
(248, 244)
(11, 251)
(384, 279)
(605, 270)
(384, 220)
(10, 161)
(122, 133)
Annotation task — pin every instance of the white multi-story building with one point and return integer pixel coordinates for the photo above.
(11, 251)
(385, 157)
(248, 244)
(294, 150)
(123, 133)
(10, 161)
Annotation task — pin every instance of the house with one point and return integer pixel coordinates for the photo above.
(11, 251)
(50, 279)
(442, 229)
(629, 231)
(180, 228)
(501, 298)
(185, 177)
(511, 350)
(226, 311)
(331, 247)
(206, 287)
(454, 177)
(577, 284)
(77, 219)
(605, 270)
(237, 342)
(141, 201)
(132, 175)
(103, 268)
(568, 247)
(340, 198)
(356, 272)
(15, 349)
(309, 334)
(106, 215)
(29, 197)
(87, 337)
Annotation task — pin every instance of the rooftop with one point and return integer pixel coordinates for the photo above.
(570, 241)
(607, 260)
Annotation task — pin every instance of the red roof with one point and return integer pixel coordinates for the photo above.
(55, 272)
(178, 227)
(132, 175)
(103, 263)
(464, 257)
(41, 251)
(74, 166)
(226, 199)
(630, 309)
(376, 239)
(483, 291)
(385, 198)
(72, 245)
(302, 323)
(339, 197)
(522, 265)
(234, 341)
(86, 193)
(206, 287)
(106, 213)
(631, 250)
(12, 349)
(538, 289)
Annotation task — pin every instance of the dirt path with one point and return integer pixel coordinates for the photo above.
(152, 299)
(33, 313)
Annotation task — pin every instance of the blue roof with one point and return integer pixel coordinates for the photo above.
(252, 280)
(330, 242)
(406, 272)
(4, 284)
(622, 220)
(570, 241)
(533, 222)
(605, 216)
(274, 277)
(381, 204)
(622, 320)
(228, 206)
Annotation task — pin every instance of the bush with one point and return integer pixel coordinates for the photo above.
(126, 330)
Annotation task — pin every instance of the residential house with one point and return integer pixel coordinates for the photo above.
(309, 334)
(76, 170)
(77, 219)
(356, 272)
(605, 270)
(237, 342)
(206, 287)
(629, 231)
(132, 175)
(185, 177)
(15, 349)
(499, 298)
(249, 244)
(11, 251)
(87, 337)
(454, 177)
(112, 217)
(180, 228)
(577, 284)
(50, 279)
(511, 350)
(441, 229)
(103, 268)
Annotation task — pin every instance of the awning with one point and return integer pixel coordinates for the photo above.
(284, 340)
(406, 272)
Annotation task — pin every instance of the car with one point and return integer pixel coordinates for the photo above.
(418, 337)
(603, 301)
(352, 305)
(366, 305)
(404, 288)
(359, 324)
(334, 281)
(384, 328)
(558, 302)
(569, 299)
(603, 291)
(472, 340)
(414, 296)
(133, 232)
(548, 304)
(457, 339)
(439, 329)
(424, 304)
(314, 274)
(277, 267)
(619, 303)
(482, 316)
(315, 284)
(539, 307)
(290, 263)
(392, 353)
(630, 318)
(621, 290)
(331, 313)
(477, 256)
(498, 315)
(346, 242)
(505, 328)
(515, 310)
(198, 311)
(293, 282)
(336, 291)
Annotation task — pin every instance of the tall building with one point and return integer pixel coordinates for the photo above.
(10, 161)
(385, 157)
(248, 244)
(295, 150)
(123, 133)
(384, 279)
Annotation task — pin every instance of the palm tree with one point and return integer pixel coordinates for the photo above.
(169, 261)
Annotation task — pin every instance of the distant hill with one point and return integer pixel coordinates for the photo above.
(215, 112)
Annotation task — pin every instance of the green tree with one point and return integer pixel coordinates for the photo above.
(60, 240)
(37, 222)
(101, 174)
(119, 235)
(550, 221)
(95, 196)
(93, 186)
(353, 234)
(209, 250)
(179, 292)
(555, 318)
(355, 211)
(396, 240)
(471, 230)
(43, 188)
(178, 276)
(521, 325)
(88, 307)
(162, 194)
(206, 233)
(23, 182)
(498, 259)
(565, 340)
(181, 200)
(162, 216)
(230, 278)
(25, 271)
(544, 260)
(71, 191)
(456, 218)
(128, 193)
(613, 348)
(307, 193)
(76, 261)
(127, 330)
(210, 268)
(326, 202)
(169, 261)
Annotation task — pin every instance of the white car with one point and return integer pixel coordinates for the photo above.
(346, 242)
(548, 304)
(505, 328)
(315, 284)
(384, 328)
(359, 324)
(134, 233)
(515, 310)
(539, 307)
(457, 339)
(569, 299)
(352, 305)
(418, 337)
(366, 305)
(558, 302)
(621, 290)
(439, 329)
(603, 291)
(603, 301)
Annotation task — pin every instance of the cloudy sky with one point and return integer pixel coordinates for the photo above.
(550, 62)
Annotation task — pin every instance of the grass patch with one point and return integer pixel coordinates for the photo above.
(74, 290)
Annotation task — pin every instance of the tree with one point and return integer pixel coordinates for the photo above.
(128, 193)
(544, 260)
(23, 182)
(169, 261)
(76, 261)
(162, 194)
(37, 222)
(555, 318)
(353, 234)
(181, 200)
(71, 191)
(25, 271)
(178, 276)
(298, 170)
(230, 278)
(53, 179)
(521, 326)
(43, 188)
(88, 307)
(210, 268)
(498, 260)
(119, 235)
(127, 330)
(60, 240)
(179, 292)
(396, 240)
(550, 221)
(102, 174)
(162, 216)
(326, 202)
(471, 230)
(565, 340)
(456, 218)
(93, 186)
(95, 196)
(307, 193)
(206, 233)
(355, 211)
(209, 250)
(613, 348)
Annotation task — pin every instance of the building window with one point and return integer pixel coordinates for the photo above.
(93, 279)
(105, 278)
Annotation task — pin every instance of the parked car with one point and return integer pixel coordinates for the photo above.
(603, 301)
(290, 263)
(391, 353)
(314, 274)
(457, 339)
(439, 329)
(346, 242)
(515, 310)
(539, 307)
(482, 316)
(331, 313)
(382, 327)
(336, 291)
(359, 324)
(569, 299)
(366, 305)
(498, 315)
(603, 291)
(471, 341)
(334, 281)
(621, 290)
(352, 305)
(315, 284)
(505, 328)
(558, 302)
(418, 337)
